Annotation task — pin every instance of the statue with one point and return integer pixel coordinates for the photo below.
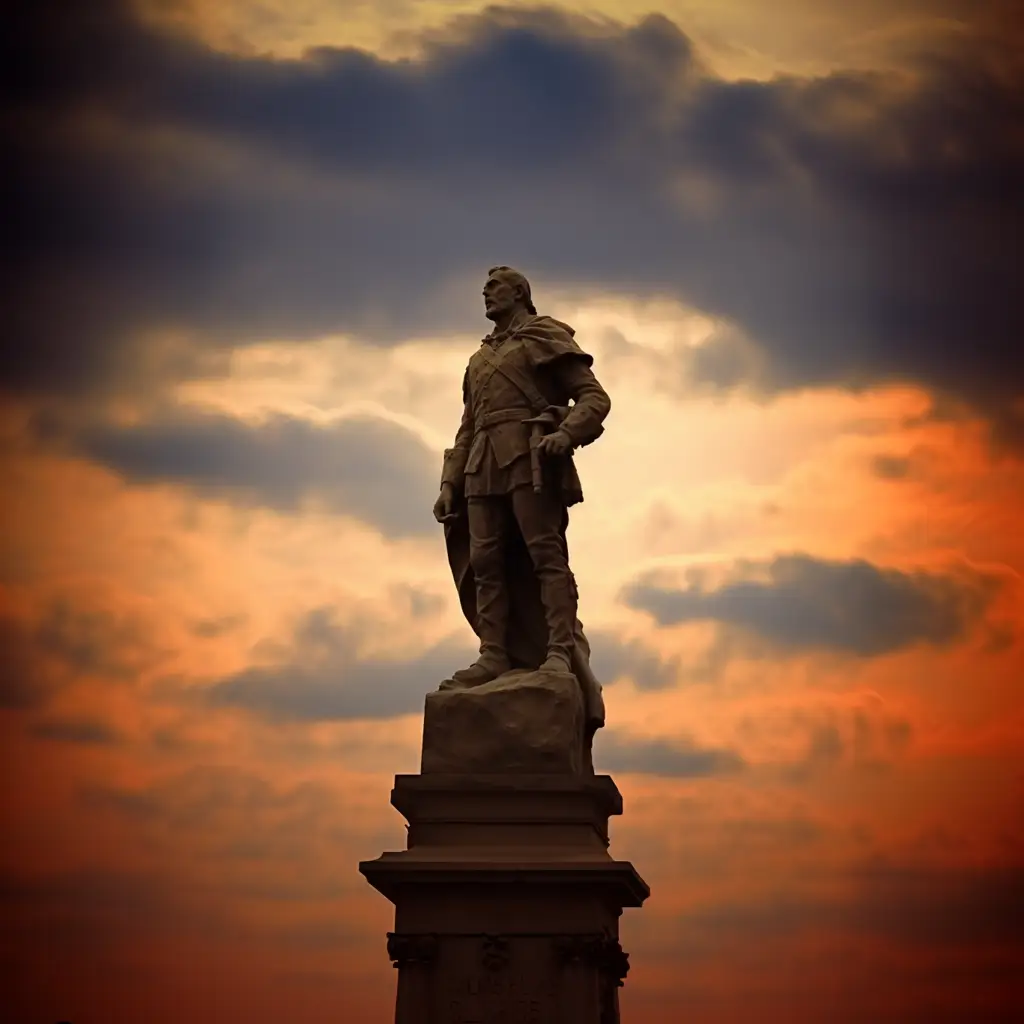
(506, 896)
(506, 486)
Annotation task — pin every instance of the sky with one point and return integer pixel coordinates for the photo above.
(244, 245)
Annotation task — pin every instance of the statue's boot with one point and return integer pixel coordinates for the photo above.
(488, 666)
(558, 593)
(491, 626)
(557, 661)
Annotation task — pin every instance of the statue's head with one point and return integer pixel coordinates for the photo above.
(505, 291)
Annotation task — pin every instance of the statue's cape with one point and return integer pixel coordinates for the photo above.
(527, 629)
(547, 339)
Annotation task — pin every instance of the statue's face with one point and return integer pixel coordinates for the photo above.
(500, 297)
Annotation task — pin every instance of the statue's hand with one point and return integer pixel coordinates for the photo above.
(557, 443)
(444, 507)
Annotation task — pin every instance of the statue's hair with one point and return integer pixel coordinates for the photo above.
(514, 277)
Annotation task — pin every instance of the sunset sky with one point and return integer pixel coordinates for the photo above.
(244, 244)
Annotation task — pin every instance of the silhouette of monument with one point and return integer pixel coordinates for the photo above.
(507, 901)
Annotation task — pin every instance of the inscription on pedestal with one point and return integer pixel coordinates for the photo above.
(506, 998)
(501, 991)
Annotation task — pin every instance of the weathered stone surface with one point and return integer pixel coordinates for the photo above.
(520, 722)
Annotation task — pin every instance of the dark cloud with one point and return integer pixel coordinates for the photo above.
(859, 227)
(865, 740)
(934, 942)
(321, 676)
(955, 906)
(614, 751)
(799, 602)
(88, 731)
(41, 656)
(94, 641)
(614, 658)
(891, 467)
(26, 680)
(251, 838)
(218, 626)
(362, 466)
(231, 818)
(934, 945)
(901, 903)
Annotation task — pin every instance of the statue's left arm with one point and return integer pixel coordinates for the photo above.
(591, 404)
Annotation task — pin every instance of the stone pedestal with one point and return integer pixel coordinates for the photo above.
(507, 902)
(520, 722)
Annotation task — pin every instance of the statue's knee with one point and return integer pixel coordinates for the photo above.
(485, 559)
(548, 561)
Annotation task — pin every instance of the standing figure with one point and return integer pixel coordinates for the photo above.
(530, 398)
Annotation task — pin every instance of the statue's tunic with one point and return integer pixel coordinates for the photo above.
(490, 456)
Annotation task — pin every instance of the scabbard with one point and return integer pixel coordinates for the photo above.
(536, 466)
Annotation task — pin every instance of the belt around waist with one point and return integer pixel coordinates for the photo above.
(492, 419)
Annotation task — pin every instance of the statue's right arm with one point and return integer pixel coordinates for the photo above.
(453, 472)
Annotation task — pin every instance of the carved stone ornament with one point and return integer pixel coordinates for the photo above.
(594, 950)
(494, 954)
(411, 949)
(615, 962)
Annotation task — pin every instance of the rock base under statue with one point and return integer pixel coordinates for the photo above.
(507, 902)
(520, 722)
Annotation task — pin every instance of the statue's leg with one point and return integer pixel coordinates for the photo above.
(488, 532)
(540, 518)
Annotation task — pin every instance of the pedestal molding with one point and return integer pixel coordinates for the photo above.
(591, 949)
(405, 948)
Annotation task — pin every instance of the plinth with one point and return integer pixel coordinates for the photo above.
(507, 901)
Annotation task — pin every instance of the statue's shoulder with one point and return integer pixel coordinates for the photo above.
(546, 339)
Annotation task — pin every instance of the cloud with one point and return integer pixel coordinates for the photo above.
(25, 681)
(862, 737)
(904, 903)
(891, 467)
(858, 227)
(94, 641)
(798, 602)
(614, 751)
(322, 677)
(65, 643)
(88, 731)
(218, 626)
(247, 837)
(362, 466)
(233, 816)
(784, 902)
(614, 658)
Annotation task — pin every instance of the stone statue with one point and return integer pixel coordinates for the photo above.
(507, 899)
(530, 398)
